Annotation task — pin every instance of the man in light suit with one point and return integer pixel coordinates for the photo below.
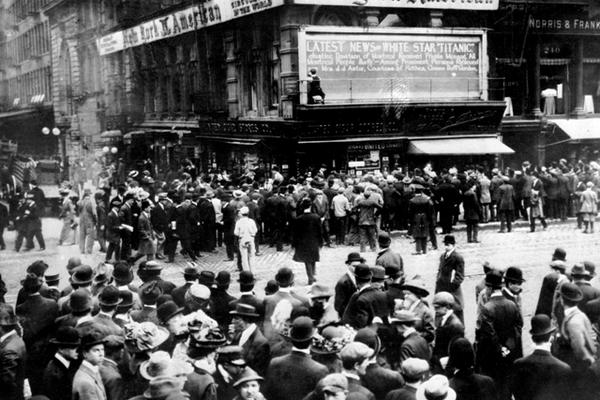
(256, 350)
(540, 375)
(451, 273)
(87, 383)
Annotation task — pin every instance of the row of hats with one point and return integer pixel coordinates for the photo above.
(356, 259)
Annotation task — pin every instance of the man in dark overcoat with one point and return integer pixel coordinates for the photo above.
(346, 285)
(367, 303)
(13, 356)
(451, 273)
(255, 347)
(308, 239)
(58, 375)
(551, 281)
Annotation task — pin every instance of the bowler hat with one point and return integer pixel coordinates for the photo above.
(149, 292)
(126, 303)
(246, 278)
(92, 339)
(559, 254)
(384, 239)
(541, 325)
(514, 274)
(449, 239)
(231, 354)
(32, 283)
(284, 277)
(319, 290)
(247, 375)
(80, 301)
(66, 336)
(7, 315)
(223, 279)
(363, 273)
(271, 287)
(122, 273)
(416, 286)
(302, 329)
(38, 267)
(73, 263)
(244, 310)
(378, 273)
(354, 257)
(207, 278)
(570, 291)
(52, 278)
(109, 296)
(579, 271)
(369, 337)
(82, 275)
(190, 274)
(461, 354)
(168, 310)
(493, 279)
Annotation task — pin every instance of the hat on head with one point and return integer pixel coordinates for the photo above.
(331, 340)
(590, 267)
(246, 278)
(109, 296)
(333, 383)
(356, 352)
(73, 263)
(231, 355)
(66, 336)
(570, 291)
(579, 271)
(493, 279)
(168, 310)
(80, 301)
(319, 290)
(197, 292)
(7, 315)
(114, 341)
(190, 274)
(244, 310)
(126, 301)
(404, 317)
(32, 283)
(559, 254)
(394, 271)
(354, 257)
(436, 388)
(149, 292)
(38, 267)
(541, 325)
(52, 278)
(384, 239)
(369, 337)
(161, 386)
(461, 354)
(271, 287)
(159, 364)
(238, 193)
(284, 277)
(559, 265)
(363, 273)
(122, 273)
(414, 368)
(244, 210)
(162, 196)
(416, 286)
(207, 338)
(92, 339)
(444, 299)
(378, 273)
(206, 278)
(82, 275)
(223, 279)
(449, 239)
(302, 329)
(247, 375)
(133, 174)
(146, 335)
(514, 275)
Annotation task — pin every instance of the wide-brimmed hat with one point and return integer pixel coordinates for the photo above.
(416, 286)
(109, 296)
(7, 315)
(82, 275)
(331, 340)
(493, 279)
(168, 310)
(159, 364)
(238, 193)
(319, 290)
(32, 283)
(92, 339)
(207, 338)
(541, 325)
(514, 274)
(66, 336)
(244, 310)
(570, 291)
(403, 317)
(122, 273)
(354, 257)
(284, 277)
(231, 354)
(437, 387)
(80, 301)
(246, 278)
(363, 273)
(579, 271)
(302, 329)
(247, 375)
(369, 337)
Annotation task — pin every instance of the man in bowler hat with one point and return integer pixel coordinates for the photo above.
(451, 273)
(58, 376)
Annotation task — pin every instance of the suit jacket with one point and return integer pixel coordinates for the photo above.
(344, 289)
(577, 330)
(178, 294)
(405, 393)
(12, 367)
(256, 352)
(307, 238)
(145, 314)
(355, 387)
(507, 197)
(292, 376)
(251, 300)
(381, 381)
(220, 300)
(114, 384)
(36, 315)
(201, 385)
(453, 264)
(107, 324)
(388, 258)
(112, 230)
(546, 298)
(540, 376)
(364, 306)
(471, 386)
(414, 345)
(58, 380)
(87, 385)
(589, 293)
(444, 334)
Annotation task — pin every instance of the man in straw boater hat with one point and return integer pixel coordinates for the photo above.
(12, 347)
(202, 352)
(58, 376)
(246, 334)
(294, 375)
(540, 375)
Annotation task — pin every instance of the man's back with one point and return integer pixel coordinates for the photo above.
(292, 376)
(539, 375)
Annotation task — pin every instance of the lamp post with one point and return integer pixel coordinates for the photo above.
(63, 148)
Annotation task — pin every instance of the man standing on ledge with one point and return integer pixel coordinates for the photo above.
(451, 273)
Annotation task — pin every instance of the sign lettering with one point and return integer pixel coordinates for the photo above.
(437, 4)
(579, 25)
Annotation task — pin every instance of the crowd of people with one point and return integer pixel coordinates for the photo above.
(375, 335)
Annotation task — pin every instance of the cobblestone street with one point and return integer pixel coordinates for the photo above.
(530, 251)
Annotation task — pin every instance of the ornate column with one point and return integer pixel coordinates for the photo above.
(533, 69)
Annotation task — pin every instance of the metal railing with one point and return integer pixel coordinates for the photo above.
(367, 90)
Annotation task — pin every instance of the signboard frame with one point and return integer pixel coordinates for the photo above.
(306, 31)
(484, 5)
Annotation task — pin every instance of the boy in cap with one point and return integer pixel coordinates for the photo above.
(355, 359)
(414, 371)
(448, 326)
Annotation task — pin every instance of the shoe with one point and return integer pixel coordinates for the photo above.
(475, 241)
(44, 249)
(26, 249)
(500, 231)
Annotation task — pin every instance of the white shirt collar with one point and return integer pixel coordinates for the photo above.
(352, 277)
(351, 375)
(448, 253)
(245, 336)
(543, 346)
(90, 366)
(285, 289)
(62, 360)
(408, 331)
(6, 335)
(226, 376)
(249, 293)
(83, 319)
(446, 316)
(305, 351)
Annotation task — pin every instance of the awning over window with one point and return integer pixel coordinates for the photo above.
(579, 129)
(355, 140)
(459, 146)
(111, 134)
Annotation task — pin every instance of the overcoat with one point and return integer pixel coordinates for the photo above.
(307, 238)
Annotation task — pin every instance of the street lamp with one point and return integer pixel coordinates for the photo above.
(62, 145)
(55, 131)
(46, 130)
(114, 150)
